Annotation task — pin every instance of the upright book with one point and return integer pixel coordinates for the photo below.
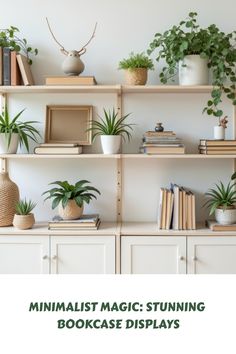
(6, 66)
(25, 70)
(15, 70)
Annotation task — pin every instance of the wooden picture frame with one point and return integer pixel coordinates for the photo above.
(68, 124)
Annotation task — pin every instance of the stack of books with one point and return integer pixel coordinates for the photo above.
(217, 147)
(177, 209)
(164, 142)
(71, 80)
(214, 226)
(14, 68)
(58, 149)
(85, 222)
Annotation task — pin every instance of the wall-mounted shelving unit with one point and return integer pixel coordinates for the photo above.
(118, 231)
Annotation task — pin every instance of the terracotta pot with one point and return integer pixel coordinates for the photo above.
(71, 211)
(136, 76)
(9, 196)
(23, 222)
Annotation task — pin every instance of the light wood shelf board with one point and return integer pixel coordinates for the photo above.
(79, 156)
(180, 156)
(41, 228)
(61, 89)
(166, 89)
(151, 229)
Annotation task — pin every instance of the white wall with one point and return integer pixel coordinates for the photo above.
(123, 26)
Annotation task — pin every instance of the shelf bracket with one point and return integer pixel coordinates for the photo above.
(119, 190)
(3, 100)
(3, 165)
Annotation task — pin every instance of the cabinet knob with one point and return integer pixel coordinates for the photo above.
(194, 258)
(54, 257)
(45, 257)
(181, 258)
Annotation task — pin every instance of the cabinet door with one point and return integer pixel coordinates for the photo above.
(153, 255)
(83, 254)
(211, 255)
(24, 254)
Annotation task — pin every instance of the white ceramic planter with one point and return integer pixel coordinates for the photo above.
(73, 65)
(195, 72)
(110, 144)
(219, 133)
(71, 211)
(12, 148)
(225, 217)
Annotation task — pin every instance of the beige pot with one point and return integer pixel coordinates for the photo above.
(9, 196)
(136, 76)
(71, 211)
(23, 222)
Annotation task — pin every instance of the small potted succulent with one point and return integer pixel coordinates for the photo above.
(70, 198)
(13, 132)
(222, 202)
(23, 218)
(191, 50)
(136, 68)
(111, 128)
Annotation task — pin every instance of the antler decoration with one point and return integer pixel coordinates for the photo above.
(223, 122)
(63, 50)
(83, 49)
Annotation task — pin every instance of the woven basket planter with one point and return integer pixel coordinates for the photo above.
(71, 211)
(9, 196)
(136, 76)
(23, 222)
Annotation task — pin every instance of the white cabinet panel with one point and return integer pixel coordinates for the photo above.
(24, 254)
(153, 255)
(212, 255)
(83, 254)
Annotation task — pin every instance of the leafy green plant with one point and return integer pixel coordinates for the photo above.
(188, 38)
(221, 197)
(9, 38)
(25, 130)
(24, 207)
(80, 193)
(139, 60)
(111, 125)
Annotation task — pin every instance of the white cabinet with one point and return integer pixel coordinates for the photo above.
(82, 254)
(24, 254)
(153, 255)
(211, 255)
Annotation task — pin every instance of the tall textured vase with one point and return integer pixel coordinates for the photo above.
(9, 196)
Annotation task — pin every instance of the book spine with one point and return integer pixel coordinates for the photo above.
(1, 65)
(6, 66)
(15, 71)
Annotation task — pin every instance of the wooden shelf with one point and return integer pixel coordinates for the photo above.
(41, 228)
(151, 229)
(79, 156)
(116, 156)
(61, 89)
(166, 89)
(105, 89)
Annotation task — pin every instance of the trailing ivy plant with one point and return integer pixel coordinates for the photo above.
(9, 38)
(134, 61)
(188, 38)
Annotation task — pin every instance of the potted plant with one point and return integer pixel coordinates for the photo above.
(111, 128)
(13, 132)
(136, 68)
(71, 198)
(219, 130)
(190, 49)
(23, 218)
(222, 201)
(9, 38)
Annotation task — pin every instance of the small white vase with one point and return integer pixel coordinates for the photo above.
(219, 132)
(73, 65)
(194, 72)
(110, 144)
(12, 148)
(225, 217)
(71, 211)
